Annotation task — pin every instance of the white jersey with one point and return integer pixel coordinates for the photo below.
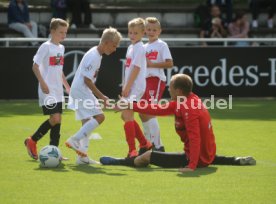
(50, 59)
(81, 98)
(136, 56)
(88, 67)
(157, 51)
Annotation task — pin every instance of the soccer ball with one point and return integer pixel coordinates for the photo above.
(49, 156)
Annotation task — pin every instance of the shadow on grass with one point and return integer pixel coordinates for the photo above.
(199, 172)
(9, 108)
(92, 170)
(13, 107)
(60, 168)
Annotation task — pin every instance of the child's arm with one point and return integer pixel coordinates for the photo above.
(41, 81)
(65, 83)
(131, 79)
(161, 65)
(94, 89)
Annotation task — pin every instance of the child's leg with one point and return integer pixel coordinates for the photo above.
(30, 142)
(55, 121)
(151, 128)
(139, 134)
(154, 91)
(129, 127)
(42, 130)
(88, 127)
(84, 142)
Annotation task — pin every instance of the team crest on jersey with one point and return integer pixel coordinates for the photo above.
(151, 92)
(128, 62)
(88, 68)
(56, 60)
(152, 55)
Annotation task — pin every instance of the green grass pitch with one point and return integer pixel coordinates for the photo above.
(248, 129)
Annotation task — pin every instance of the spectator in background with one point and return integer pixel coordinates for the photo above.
(19, 19)
(239, 28)
(76, 7)
(59, 8)
(214, 27)
(256, 5)
(226, 5)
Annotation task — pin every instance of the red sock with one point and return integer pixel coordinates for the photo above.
(130, 135)
(139, 134)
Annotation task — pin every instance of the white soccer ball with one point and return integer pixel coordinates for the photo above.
(49, 156)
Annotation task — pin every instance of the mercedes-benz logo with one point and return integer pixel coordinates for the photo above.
(77, 56)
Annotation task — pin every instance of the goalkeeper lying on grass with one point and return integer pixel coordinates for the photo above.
(192, 124)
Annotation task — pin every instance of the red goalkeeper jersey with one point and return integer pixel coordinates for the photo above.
(192, 124)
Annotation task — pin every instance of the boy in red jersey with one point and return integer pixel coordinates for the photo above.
(192, 124)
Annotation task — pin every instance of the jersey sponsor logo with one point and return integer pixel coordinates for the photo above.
(152, 55)
(128, 62)
(56, 60)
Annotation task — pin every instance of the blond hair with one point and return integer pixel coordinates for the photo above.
(182, 82)
(137, 22)
(111, 34)
(152, 20)
(56, 22)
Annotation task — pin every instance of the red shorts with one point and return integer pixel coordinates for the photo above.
(154, 89)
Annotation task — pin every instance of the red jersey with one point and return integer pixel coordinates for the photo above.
(192, 124)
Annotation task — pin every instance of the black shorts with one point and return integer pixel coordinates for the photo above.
(168, 160)
(52, 109)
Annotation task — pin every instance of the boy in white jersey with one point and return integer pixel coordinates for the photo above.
(84, 92)
(134, 85)
(158, 59)
(48, 69)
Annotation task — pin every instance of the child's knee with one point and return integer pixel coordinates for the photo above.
(100, 118)
(55, 119)
(127, 116)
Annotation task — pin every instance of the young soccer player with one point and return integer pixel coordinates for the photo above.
(192, 124)
(47, 67)
(158, 58)
(84, 92)
(134, 85)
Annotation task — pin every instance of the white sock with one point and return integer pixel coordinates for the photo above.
(86, 129)
(155, 132)
(152, 132)
(84, 144)
(146, 130)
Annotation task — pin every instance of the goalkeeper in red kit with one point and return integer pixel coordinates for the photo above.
(192, 124)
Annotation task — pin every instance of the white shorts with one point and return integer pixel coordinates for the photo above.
(85, 105)
(134, 95)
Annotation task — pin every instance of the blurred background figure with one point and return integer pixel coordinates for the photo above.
(214, 26)
(225, 5)
(59, 8)
(77, 7)
(257, 5)
(239, 28)
(19, 19)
